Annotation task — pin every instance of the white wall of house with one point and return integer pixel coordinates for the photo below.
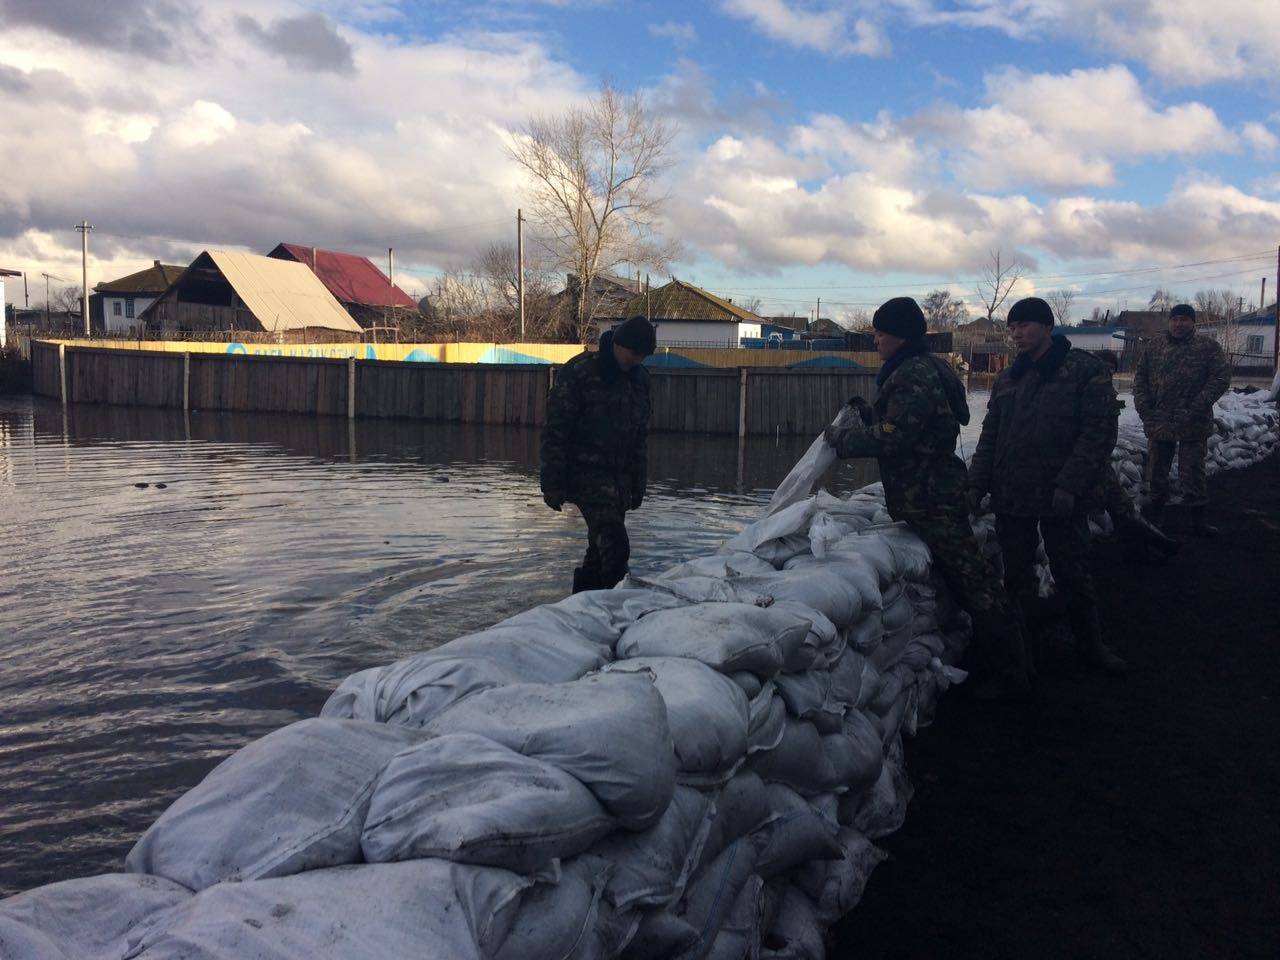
(120, 313)
(1094, 340)
(1256, 340)
(697, 332)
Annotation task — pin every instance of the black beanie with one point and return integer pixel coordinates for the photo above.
(1183, 310)
(1031, 310)
(901, 317)
(636, 333)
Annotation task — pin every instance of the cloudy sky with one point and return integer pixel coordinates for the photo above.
(842, 149)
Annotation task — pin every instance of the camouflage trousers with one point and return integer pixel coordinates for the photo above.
(1191, 456)
(1117, 502)
(608, 548)
(957, 559)
(1066, 544)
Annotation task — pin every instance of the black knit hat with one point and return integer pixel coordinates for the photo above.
(636, 333)
(901, 317)
(1031, 310)
(1183, 310)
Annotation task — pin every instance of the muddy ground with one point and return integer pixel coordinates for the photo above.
(1114, 818)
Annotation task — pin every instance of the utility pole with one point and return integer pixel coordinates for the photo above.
(391, 291)
(47, 278)
(520, 267)
(817, 314)
(84, 227)
(1275, 334)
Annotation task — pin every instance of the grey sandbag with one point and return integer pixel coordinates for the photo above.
(708, 714)
(651, 868)
(797, 933)
(867, 633)
(739, 935)
(292, 801)
(854, 680)
(596, 615)
(768, 720)
(720, 565)
(660, 936)
(557, 921)
(89, 918)
(712, 892)
(835, 886)
(798, 761)
(412, 691)
(725, 636)
(795, 834)
(881, 810)
(742, 807)
(609, 730)
(535, 655)
(861, 755)
(444, 910)
(813, 586)
(464, 798)
(855, 569)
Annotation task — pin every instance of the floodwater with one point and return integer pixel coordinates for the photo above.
(173, 587)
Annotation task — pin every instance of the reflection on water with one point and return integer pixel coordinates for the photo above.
(175, 586)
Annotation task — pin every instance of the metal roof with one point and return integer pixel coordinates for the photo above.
(157, 278)
(282, 294)
(349, 277)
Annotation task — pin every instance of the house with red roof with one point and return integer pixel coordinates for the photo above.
(364, 290)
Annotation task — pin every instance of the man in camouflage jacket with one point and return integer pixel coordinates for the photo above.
(595, 445)
(1046, 440)
(1179, 376)
(913, 425)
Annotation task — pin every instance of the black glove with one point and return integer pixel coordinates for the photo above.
(974, 498)
(1064, 502)
(553, 500)
(862, 407)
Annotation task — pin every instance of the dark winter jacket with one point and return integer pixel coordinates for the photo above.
(1176, 384)
(1050, 423)
(594, 444)
(915, 420)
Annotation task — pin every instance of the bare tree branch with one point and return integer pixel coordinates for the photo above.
(999, 277)
(1061, 301)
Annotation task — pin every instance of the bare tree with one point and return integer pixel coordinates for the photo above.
(67, 300)
(942, 310)
(595, 192)
(1098, 316)
(1218, 316)
(858, 320)
(1162, 300)
(999, 277)
(753, 304)
(1061, 301)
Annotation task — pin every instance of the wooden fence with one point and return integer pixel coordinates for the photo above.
(689, 400)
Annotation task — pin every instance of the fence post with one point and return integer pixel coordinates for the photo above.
(62, 371)
(186, 383)
(742, 401)
(351, 388)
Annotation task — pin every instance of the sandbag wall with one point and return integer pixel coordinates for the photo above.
(691, 765)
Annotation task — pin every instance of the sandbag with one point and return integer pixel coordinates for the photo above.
(412, 691)
(465, 798)
(742, 807)
(294, 800)
(822, 590)
(660, 935)
(366, 910)
(596, 615)
(713, 890)
(856, 570)
(536, 656)
(609, 730)
(854, 680)
(726, 636)
(835, 886)
(651, 868)
(721, 565)
(739, 934)
(860, 758)
(797, 933)
(881, 810)
(768, 720)
(90, 918)
(795, 834)
(558, 921)
(798, 761)
(707, 713)
(867, 633)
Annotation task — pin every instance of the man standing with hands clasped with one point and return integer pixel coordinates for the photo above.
(1048, 435)
(595, 446)
(1179, 377)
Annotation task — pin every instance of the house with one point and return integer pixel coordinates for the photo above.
(607, 300)
(366, 293)
(984, 344)
(1249, 340)
(119, 303)
(688, 316)
(1095, 338)
(228, 292)
(824, 328)
(4, 304)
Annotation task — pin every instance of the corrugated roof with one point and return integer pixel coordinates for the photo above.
(282, 295)
(154, 279)
(683, 301)
(349, 277)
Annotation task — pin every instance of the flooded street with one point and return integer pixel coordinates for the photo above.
(175, 587)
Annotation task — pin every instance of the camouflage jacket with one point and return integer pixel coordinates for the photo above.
(1176, 384)
(1050, 424)
(594, 444)
(915, 420)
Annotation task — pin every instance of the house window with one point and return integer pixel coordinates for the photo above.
(115, 308)
(128, 308)
(1254, 343)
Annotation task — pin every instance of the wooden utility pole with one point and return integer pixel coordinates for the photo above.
(1275, 334)
(84, 227)
(520, 267)
(391, 291)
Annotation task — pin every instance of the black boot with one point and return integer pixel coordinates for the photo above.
(583, 580)
(1004, 668)
(1090, 648)
(1153, 513)
(1198, 525)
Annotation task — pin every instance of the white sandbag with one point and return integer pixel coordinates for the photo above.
(789, 521)
(798, 761)
(836, 886)
(911, 556)
(881, 810)
(813, 463)
(651, 868)
(707, 712)
(90, 918)
(854, 681)
(807, 694)
(866, 633)
(294, 800)
(608, 730)
(873, 549)
(412, 691)
(797, 933)
(464, 798)
(794, 835)
(713, 890)
(722, 565)
(824, 591)
(742, 807)
(536, 656)
(749, 683)
(896, 614)
(739, 935)
(726, 636)
(558, 920)
(855, 569)
(782, 550)
(855, 753)
(596, 615)
(697, 588)
(455, 912)
(825, 531)
(768, 720)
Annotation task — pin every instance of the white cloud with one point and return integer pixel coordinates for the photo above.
(682, 34)
(1260, 138)
(826, 30)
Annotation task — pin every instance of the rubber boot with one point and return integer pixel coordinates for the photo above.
(582, 580)
(1198, 525)
(997, 636)
(1090, 648)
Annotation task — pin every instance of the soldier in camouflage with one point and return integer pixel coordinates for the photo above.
(595, 445)
(911, 430)
(1046, 440)
(1179, 376)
